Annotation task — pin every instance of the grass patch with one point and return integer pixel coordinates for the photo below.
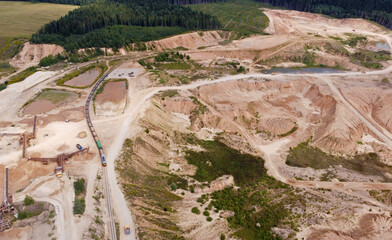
(25, 18)
(22, 75)
(62, 81)
(79, 206)
(304, 155)
(52, 95)
(79, 186)
(80, 192)
(261, 202)
(370, 59)
(201, 107)
(243, 17)
(218, 159)
(245, 220)
(9, 47)
(28, 200)
(169, 93)
(27, 214)
(55, 96)
(174, 66)
(354, 40)
(289, 132)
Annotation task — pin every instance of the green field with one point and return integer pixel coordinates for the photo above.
(21, 19)
(243, 16)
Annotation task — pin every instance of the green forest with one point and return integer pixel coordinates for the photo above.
(114, 24)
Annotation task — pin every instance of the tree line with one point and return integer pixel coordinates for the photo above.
(379, 11)
(93, 25)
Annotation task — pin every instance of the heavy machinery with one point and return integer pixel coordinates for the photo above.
(60, 159)
(58, 171)
(6, 206)
(127, 229)
(25, 138)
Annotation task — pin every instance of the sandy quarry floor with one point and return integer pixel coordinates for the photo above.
(338, 110)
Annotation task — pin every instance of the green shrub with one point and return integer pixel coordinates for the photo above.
(218, 159)
(48, 60)
(79, 206)
(79, 186)
(23, 75)
(222, 237)
(195, 210)
(241, 69)
(28, 200)
(24, 215)
(209, 219)
(173, 186)
(206, 213)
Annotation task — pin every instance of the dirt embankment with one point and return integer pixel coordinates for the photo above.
(298, 23)
(339, 130)
(372, 101)
(31, 54)
(370, 226)
(191, 40)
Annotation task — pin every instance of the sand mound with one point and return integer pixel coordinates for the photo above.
(371, 226)
(31, 54)
(82, 134)
(190, 40)
(372, 101)
(297, 23)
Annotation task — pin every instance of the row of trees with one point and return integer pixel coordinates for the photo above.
(109, 37)
(379, 11)
(115, 24)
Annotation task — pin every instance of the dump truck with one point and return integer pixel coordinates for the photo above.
(59, 171)
(127, 229)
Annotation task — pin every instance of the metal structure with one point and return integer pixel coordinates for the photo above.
(60, 159)
(27, 137)
(6, 206)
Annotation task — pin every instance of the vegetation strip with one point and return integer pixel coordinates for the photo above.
(80, 71)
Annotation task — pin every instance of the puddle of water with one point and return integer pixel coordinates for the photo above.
(303, 70)
(39, 106)
(113, 92)
(380, 47)
(85, 78)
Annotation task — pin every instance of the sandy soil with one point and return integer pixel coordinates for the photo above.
(84, 79)
(31, 54)
(190, 40)
(112, 101)
(297, 23)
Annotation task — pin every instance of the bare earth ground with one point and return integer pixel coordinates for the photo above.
(253, 111)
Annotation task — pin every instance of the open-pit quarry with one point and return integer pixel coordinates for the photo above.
(203, 141)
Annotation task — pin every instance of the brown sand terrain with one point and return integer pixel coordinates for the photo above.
(113, 99)
(191, 40)
(31, 54)
(298, 23)
(370, 226)
(85, 79)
